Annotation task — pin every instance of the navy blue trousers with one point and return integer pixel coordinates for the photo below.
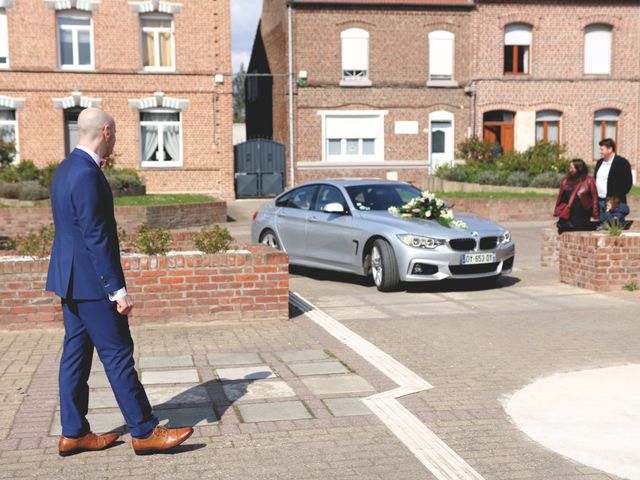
(98, 323)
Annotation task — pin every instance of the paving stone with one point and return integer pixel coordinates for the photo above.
(187, 417)
(223, 359)
(245, 373)
(170, 376)
(270, 412)
(318, 368)
(100, 423)
(257, 390)
(102, 399)
(166, 362)
(183, 395)
(346, 407)
(301, 355)
(98, 380)
(337, 385)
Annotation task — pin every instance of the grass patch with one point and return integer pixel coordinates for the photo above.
(2, 205)
(160, 199)
(494, 195)
(635, 191)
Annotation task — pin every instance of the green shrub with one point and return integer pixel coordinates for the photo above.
(26, 170)
(489, 177)
(7, 243)
(9, 190)
(46, 175)
(122, 181)
(32, 190)
(212, 240)
(36, 245)
(547, 180)
(122, 239)
(518, 179)
(613, 227)
(152, 241)
(7, 153)
(475, 149)
(541, 158)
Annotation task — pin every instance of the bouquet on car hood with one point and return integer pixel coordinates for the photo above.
(429, 207)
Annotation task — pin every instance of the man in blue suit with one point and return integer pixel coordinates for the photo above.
(85, 272)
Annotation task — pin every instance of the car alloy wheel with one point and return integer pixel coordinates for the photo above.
(269, 239)
(376, 266)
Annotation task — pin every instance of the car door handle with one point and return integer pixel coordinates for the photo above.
(313, 219)
(281, 214)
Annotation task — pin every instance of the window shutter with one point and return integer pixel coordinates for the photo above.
(355, 49)
(597, 49)
(4, 37)
(441, 46)
(517, 34)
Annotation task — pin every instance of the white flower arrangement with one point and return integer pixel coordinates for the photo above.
(429, 207)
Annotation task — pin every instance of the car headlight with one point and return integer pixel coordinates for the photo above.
(504, 238)
(420, 242)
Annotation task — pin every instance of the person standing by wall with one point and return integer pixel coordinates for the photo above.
(613, 174)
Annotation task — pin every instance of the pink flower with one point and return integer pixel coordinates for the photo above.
(416, 210)
(427, 213)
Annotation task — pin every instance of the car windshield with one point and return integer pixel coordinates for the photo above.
(381, 196)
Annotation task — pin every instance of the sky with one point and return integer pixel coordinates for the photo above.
(245, 15)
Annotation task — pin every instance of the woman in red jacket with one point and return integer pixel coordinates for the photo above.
(583, 205)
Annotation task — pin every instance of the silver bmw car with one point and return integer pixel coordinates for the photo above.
(345, 225)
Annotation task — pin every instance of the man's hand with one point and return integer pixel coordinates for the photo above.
(124, 305)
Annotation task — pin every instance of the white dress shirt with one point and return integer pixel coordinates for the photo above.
(602, 177)
(118, 294)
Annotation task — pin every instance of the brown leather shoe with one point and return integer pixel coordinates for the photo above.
(161, 440)
(91, 441)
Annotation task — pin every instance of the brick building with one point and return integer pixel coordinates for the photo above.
(390, 87)
(150, 63)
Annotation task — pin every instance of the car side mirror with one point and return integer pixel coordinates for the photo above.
(334, 207)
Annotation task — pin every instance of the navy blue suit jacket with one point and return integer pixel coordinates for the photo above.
(85, 258)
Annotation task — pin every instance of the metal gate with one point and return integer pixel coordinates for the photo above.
(259, 168)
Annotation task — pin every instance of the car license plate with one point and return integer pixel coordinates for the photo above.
(476, 258)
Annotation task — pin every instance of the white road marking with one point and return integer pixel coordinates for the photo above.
(429, 449)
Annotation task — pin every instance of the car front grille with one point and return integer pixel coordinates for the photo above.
(463, 244)
(473, 269)
(488, 243)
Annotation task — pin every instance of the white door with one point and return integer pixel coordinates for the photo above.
(441, 144)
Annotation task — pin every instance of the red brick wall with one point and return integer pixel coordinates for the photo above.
(220, 287)
(18, 221)
(557, 80)
(599, 262)
(203, 48)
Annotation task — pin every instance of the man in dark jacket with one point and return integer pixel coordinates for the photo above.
(612, 174)
(85, 272)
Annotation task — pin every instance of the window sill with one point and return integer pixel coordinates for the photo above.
(77, 68)
(443, 84)
(161, 166)
(355, 83)
(158, 70)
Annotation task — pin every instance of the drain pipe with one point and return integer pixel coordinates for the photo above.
(291, 147)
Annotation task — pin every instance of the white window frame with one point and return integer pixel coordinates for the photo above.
(519, 35)
(353, 159)
(13, 123)
(350, 80)
(4, 35)
(596, 29)
(156, 43)
(160, 125)
(549, 115)
(74, 41)
(442, 35)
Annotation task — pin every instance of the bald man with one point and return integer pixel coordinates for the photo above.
(85, 272)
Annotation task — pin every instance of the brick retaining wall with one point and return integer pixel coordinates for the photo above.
(599, 262)
(21, 220)
(184, 287)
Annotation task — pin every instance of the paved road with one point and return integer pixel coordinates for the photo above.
(476, 346)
